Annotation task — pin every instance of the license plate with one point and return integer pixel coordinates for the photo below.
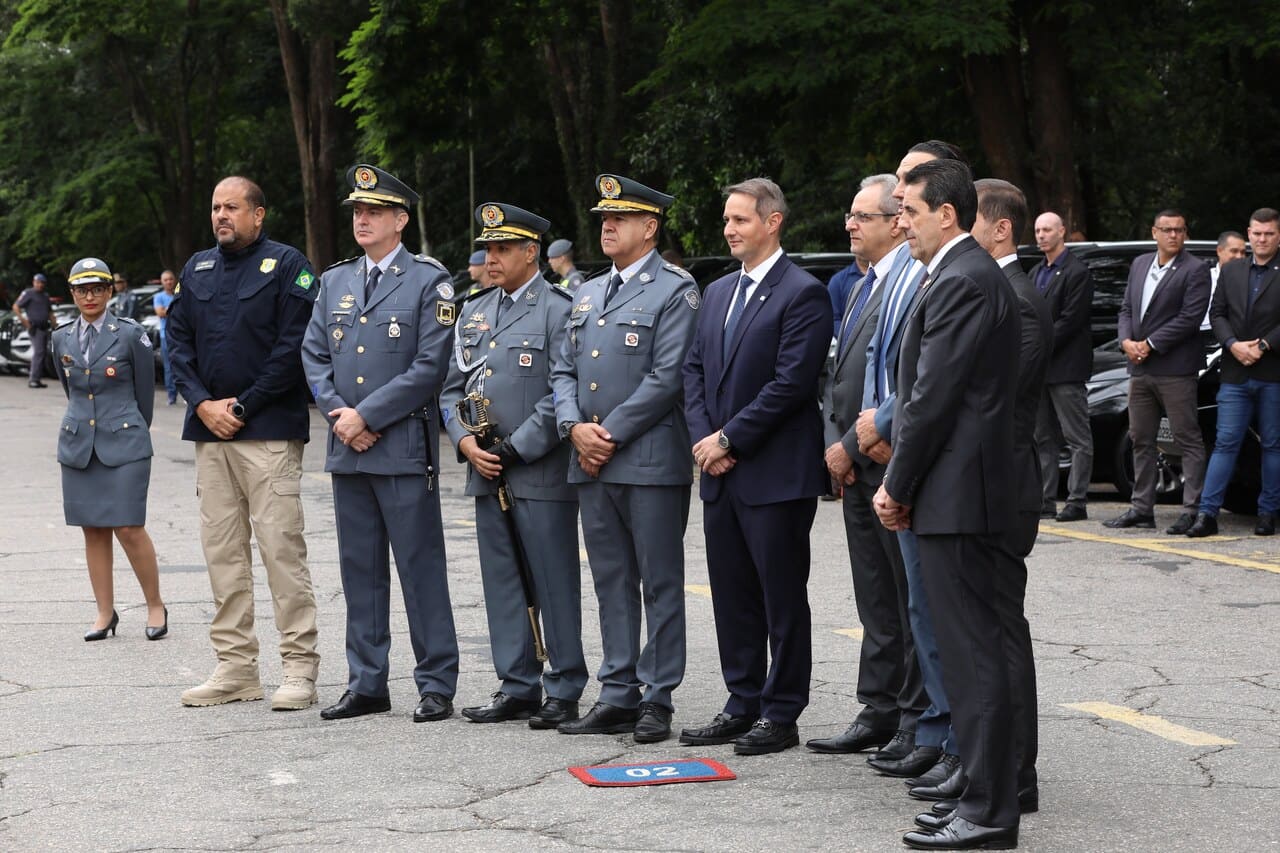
(1165, 431)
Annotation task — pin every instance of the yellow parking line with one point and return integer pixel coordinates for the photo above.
(1160, 548)
(851, 633)
(698, 589)
(1158, 726)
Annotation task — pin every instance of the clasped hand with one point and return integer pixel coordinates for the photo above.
(350, 428)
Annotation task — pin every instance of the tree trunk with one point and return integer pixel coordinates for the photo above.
(1052, 118)
(993, 85)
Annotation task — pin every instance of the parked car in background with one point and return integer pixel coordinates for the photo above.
(15, 341)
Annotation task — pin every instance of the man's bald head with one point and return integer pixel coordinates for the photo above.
(1051, 234)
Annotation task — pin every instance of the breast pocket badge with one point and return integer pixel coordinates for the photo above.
(111, 371)
(632, 339)
(526, 359)
(393, 331)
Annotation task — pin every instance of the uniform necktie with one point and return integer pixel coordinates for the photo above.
(851, 320)
(503, 307)
(735, 312)
(614, 284)
(90, 335)
(371, 283)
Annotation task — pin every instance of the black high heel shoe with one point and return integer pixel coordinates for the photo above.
(101, 633)
(157, 633)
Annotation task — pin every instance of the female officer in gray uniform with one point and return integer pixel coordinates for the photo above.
(108, 373)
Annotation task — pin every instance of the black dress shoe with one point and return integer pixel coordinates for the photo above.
(725, 728)
(1072, 512)
(36, 385)
(1266, 524)
(1205, 525)
(934, 822)
(913, 763)
(1049, 511)
(765, 737)
(554, 712)
(654, 724)
(1182, 525)
(961, 834)
(1131, 518)
(157, 633)
(899, 746)
(856, 738)
(937, 774)
(949, 788)
(356, 705)
(101, 633)
(432, 707)
(602, 719)
(501, 708)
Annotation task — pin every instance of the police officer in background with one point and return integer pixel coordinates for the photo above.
(35, 310)
(618, 396)
(479, 278)
(234, 330)
(560, 257)
(376, 354)
(503, 342)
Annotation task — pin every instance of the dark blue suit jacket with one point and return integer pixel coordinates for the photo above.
(765, 397)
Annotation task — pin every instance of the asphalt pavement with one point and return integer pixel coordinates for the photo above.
(1159, 698)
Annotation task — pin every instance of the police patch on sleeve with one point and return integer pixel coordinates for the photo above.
(691, 296)
(445, 289)
(445, 315)
(144, 340)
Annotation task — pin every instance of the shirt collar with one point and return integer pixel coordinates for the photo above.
(519, 291)
(942, 253)
(762, 269)
(1010, 258)
(632, 268)
(886, 263)
(385, 263)
(97, 324)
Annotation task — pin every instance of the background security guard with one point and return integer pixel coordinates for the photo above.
(104, 446)
(234, 330)
(504, 339)
(618, 398)
(376, 355)
(560, 259)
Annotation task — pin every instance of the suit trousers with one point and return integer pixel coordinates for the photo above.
(973, 594)
(39, 336)
(890, 685)
(255, 487)
(933, 727)
(1063, 418)
(1176, 396)
(1018, 654)
(548, 532)
(635, 543)
(372, 511)
(758, 564)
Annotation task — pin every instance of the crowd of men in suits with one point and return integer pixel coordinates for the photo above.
(951, 365)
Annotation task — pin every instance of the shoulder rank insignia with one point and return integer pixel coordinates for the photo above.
(680, 271)
(427, 259)
(445, 314)
(344, 261)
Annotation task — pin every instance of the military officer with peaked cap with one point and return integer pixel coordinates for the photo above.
(502, 345)
(376, 354)
(618, 395)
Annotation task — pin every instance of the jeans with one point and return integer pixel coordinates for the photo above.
(1237, 405)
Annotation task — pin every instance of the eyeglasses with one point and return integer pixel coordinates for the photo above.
(864, 218)
(91, 290)
(1171, 231)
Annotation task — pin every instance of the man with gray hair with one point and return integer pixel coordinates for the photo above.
(890, 686)
(751, 400)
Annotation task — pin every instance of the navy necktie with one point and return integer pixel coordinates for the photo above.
(371, 283)
(614, 284)
(735, 312)
(864, 294)
(90, 335)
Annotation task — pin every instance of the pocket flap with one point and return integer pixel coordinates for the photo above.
(69, 425)
(635, 318)
(519, 341)
(403, 317)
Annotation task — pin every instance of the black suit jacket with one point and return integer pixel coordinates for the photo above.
(847, 385)
(1231, 317)
(957, 382)
(765, 396)
(1172, 321)
(1070, 300)
(1033, 366)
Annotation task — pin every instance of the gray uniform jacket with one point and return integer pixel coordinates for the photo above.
(387, 359)
(620, 367)
(516, 355)
(110, 398)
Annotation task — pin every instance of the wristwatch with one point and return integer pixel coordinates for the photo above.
(566, 427)
(237, 409)
(1263, 345)
(723, 441)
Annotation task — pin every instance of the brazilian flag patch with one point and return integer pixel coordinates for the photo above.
(304, 280)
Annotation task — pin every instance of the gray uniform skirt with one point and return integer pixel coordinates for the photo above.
(101, 496)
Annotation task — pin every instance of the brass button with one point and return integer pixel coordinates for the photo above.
(124, 426)
(486, 401)
(595, 353)
(594, 386)
(359, 380)
(92, 422)
(86, 371)
(595, 419)
(364, 319)
(488, 372)
(360, 349)
(90, 396)
(600, 322)
(492, 344)
(393, 319)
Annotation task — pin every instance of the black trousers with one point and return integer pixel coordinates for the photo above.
(975, 600)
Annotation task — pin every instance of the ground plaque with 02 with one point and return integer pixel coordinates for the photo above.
(653, 773)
